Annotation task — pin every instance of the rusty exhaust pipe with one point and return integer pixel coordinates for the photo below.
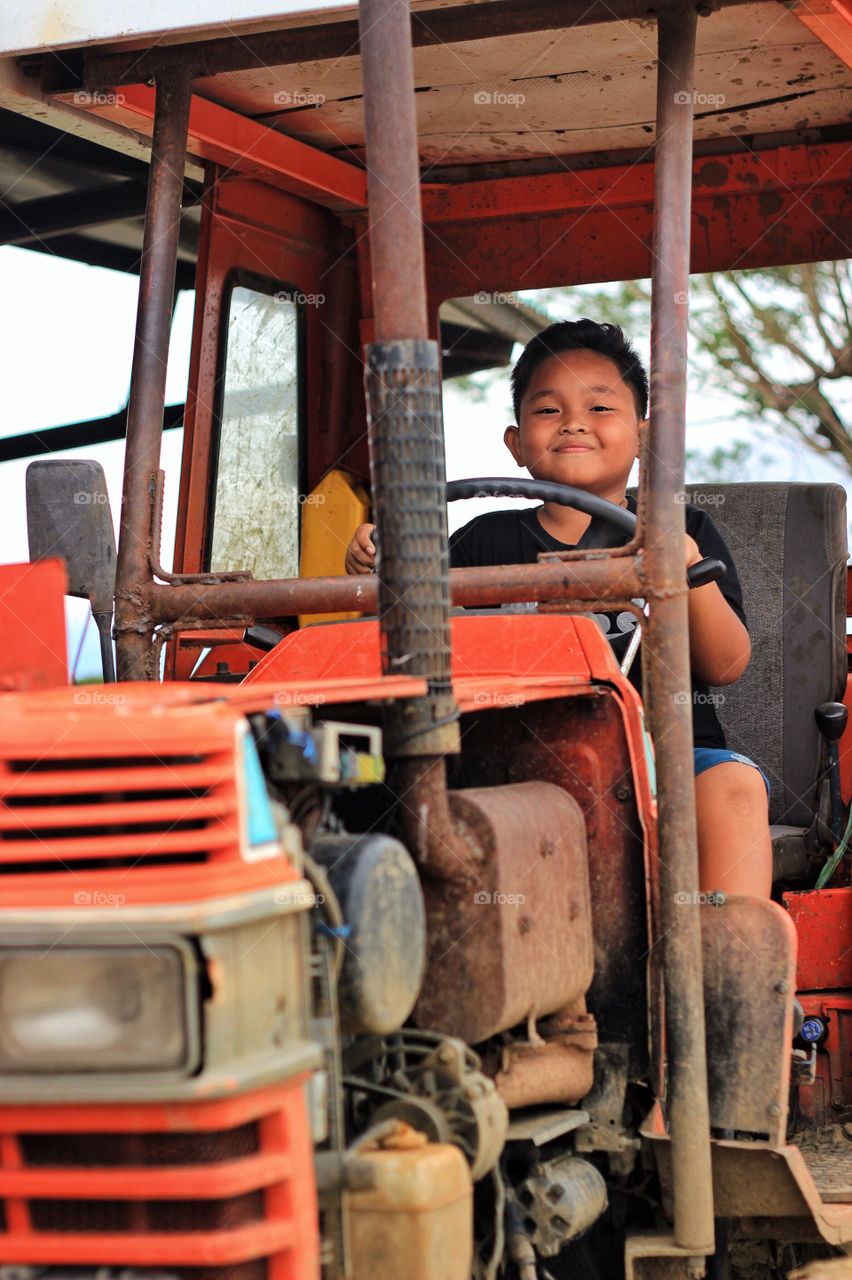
(666, 665)
(406, 436)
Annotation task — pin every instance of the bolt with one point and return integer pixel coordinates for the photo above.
(782, 987)
(838, 1103)
(623, 793)
(445, 1053)
(774, 1110)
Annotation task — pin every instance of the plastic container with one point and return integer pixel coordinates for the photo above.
(416, 1223)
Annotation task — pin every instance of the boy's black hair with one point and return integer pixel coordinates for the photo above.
(581, 335)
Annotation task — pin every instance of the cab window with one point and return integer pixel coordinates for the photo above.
(257, 472)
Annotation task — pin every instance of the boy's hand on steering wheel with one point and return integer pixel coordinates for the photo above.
(361, 553)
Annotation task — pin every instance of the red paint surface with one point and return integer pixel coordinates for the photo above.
(32, 626)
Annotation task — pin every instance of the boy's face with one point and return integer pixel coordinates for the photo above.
(579, 424)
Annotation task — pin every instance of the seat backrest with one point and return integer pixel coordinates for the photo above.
(788, 542)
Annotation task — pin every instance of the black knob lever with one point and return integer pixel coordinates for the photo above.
(831, 720)
(704, 571)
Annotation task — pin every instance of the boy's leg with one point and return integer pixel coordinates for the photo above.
(734, 845)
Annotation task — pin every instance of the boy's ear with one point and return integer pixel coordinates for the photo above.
(512, 441)
(643, 426)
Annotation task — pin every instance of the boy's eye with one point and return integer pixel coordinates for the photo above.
(601, 408)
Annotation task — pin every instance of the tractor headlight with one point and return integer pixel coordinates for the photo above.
(96, 1008)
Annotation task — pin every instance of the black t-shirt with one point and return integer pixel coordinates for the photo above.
(517, 537)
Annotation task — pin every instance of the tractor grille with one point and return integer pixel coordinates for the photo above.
(197, 1203)
(107, 1217)
(123, 1150)
(71, 815)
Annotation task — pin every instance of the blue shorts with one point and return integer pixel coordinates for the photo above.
(707, 757)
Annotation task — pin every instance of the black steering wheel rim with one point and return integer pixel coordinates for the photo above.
(548, 491)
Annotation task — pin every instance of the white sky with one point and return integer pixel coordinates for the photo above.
(66, 341)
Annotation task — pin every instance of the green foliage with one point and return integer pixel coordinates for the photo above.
(777, 341)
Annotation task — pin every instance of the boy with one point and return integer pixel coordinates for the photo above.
(580, 396)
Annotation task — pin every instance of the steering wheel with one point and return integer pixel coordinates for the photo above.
(698, 575)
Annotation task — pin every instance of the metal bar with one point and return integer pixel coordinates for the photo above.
(396, 231)
(55, 215)
(724, 177)
(78, 435)
(666, 648)
(333, 40)
(148, 377)
(226, 138)
(613, 580)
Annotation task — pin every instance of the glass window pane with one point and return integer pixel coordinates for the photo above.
(256, 503)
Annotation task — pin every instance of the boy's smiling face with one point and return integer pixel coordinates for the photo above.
(579, 424)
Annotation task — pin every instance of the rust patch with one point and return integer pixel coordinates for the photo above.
(711, 174)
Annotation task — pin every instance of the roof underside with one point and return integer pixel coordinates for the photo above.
(577, 95)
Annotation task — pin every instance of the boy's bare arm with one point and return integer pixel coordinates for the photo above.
(719, 644)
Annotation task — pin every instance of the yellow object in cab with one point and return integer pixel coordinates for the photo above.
(330, 515)
(416, 1222)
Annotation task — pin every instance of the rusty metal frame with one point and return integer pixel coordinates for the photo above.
(666, 665)
(148, 376)
(318, 41)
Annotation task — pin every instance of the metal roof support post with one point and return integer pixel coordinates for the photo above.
(133, 621)
(666, 663)
(403, 386)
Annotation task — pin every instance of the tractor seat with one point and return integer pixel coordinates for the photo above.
(788, 542)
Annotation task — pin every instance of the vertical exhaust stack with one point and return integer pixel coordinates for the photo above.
(407, 466)
(666, 664)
